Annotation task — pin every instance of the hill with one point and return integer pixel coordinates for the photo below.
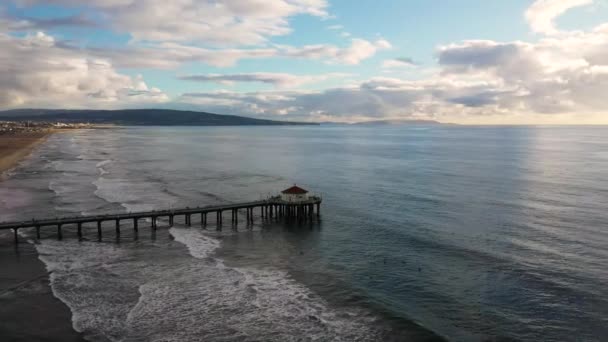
(137, 117)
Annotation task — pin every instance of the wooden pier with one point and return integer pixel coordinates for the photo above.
(274, 207)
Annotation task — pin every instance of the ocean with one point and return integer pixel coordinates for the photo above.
(426, 233)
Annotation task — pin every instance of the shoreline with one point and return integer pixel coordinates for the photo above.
(29, 310)
(25, 287)
(16, 147)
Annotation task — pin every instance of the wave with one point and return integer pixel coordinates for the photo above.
(133, 195)
(198, 245)
(268, 300)
(124, 292)
(100, 167)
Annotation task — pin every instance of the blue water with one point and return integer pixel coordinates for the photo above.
(462, 233)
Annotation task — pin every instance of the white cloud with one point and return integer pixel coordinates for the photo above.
(558, 77)
(170, 55)
(166, 34)
(36, 71)
(560, 74)
(359, 50)
(222, 23)
(542, 14)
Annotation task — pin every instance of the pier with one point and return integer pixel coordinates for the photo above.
(272, 208)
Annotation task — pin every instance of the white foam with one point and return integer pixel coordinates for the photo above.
(199, 245)
(81, 276)
(152, 292)
(101, 169)
(103, 163)
(267, 302)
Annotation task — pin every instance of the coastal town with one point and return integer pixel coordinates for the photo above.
(14, 127)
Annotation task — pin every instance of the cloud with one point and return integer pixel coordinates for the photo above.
(280, 80)
(335, 27)
(359, 50)
(25, 24)
(225, 23)
(556, 77)
(560, 73)
(166, 34)
(36, 71)
(399, 62)
(541, 14)
(170, 55)
(374, 98)
(511, 60)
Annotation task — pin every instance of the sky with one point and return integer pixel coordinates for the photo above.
(467, 62)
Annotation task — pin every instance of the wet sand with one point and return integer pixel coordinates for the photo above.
(14, 147)
(28, 309)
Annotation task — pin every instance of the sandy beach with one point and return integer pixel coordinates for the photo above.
(14, 147)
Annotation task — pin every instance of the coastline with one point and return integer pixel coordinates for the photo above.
(25, 291)
(15, 147)
(29, 311)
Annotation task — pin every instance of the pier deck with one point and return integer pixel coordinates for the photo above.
(272, 207)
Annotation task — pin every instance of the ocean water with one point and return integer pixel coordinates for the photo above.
(426, 233)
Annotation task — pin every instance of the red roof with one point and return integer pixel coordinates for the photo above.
(295, 190)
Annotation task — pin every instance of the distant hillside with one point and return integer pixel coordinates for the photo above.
(136, 117)
(399, 122)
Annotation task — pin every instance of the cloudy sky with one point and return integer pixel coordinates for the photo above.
(468, 61)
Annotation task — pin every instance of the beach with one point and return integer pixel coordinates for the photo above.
(15, 147)
(28, 309)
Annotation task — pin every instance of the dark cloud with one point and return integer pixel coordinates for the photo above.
(479, 54)
(27, 23)
(406, 60)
